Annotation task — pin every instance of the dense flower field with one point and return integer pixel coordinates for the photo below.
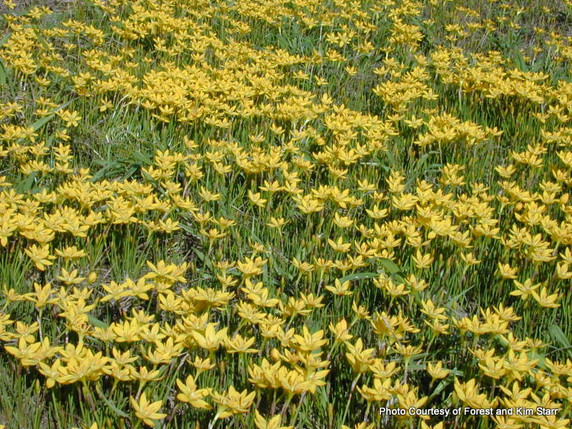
(279, 214)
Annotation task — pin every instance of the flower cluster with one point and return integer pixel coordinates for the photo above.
(287, 213)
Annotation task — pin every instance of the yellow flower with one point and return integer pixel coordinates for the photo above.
(407, 351)
(210, 339)
(469, 259)
(171, 273)
(339, 245)
(436, 371)
(146, 410)
(240, 345)
(71, 252)
(192, 395)
(40, 256)
(524, 290)
(341, 331)
(359, 358)
(422, 261)
(52, 373)
(42, 294)
(340, 289)
(202, 365)
(308, 204)
(70, 278)
(410, 400)
(469, 394)
(309, 342)
(233, 402)
(272, 423)
(251, 267)
(507, 272)
(256, 199)
(276, 222)
(545, 300)
(343, 221)
(70, 118)
(492, 367)
(434, 312)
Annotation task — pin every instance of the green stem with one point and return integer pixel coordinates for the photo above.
(295, 415)
(216, 417)
(273, 406)
(286, 404)
(88, 395)
(354, 383)
(367, 411)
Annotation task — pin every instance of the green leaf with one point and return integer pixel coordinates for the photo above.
(456, 297)
(3, 75)
(26, 185)
(4, 39)
(143, 159)
(109, 403)
(440, 387)
(532, 355)
(359, 276)
(42, 121)
(97, 323)
(389, 266)
(560, 337)
(110, 165)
